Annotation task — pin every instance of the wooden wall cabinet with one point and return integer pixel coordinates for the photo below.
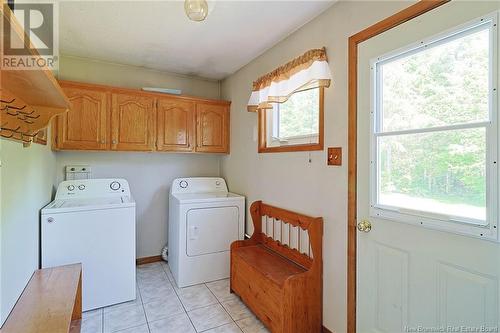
(175, 125)
(85, 125)
(212, 128)
(132, 122)
(107, 118)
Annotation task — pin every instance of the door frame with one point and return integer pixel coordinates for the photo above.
(421, 7)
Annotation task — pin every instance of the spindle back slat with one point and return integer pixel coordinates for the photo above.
(286, 232)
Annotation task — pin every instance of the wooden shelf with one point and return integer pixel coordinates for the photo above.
(29, 98)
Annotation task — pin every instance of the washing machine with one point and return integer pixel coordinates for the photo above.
(204, 219)
(92, 222)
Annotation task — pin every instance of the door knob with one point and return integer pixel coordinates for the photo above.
(364, 226)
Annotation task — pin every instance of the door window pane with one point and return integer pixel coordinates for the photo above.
(438, 172)
(441, 85)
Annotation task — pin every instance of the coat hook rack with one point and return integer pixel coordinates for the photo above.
(7, 102)
(20, 121)
(15, 113)
(29, 99)
(14, 107)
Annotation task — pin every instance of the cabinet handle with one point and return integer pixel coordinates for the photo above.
(102, 141)
(114, 142)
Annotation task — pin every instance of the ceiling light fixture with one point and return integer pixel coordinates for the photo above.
(196, 10)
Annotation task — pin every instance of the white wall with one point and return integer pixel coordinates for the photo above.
(27, 182)
(101, 72)
(287, 179)
(149, 176)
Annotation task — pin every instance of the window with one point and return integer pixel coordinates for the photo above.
(434, 132)
(295, 124)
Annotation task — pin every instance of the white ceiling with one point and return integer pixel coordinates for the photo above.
(158, 35)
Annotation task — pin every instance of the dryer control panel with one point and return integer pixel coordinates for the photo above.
(84, 188)
(198, 185)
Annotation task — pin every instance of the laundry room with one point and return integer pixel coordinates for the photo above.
(149, 174)
(220, 166)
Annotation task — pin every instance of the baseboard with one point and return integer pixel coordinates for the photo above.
(148, 260)
(326, 330)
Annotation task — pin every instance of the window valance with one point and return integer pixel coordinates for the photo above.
(308, 71)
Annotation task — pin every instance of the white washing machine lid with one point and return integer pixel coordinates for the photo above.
(184, 198)
(82, 204)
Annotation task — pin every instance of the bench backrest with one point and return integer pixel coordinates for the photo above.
(295, 236)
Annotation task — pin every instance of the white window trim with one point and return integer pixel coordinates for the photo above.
(452, 224)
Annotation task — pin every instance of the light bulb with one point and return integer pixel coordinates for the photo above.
(196, 10)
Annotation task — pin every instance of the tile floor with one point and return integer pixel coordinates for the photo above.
(161, 307)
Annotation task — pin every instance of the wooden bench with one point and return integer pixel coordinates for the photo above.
(278, 272)
(50, 303)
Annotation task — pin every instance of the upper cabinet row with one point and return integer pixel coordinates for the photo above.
(105, 118)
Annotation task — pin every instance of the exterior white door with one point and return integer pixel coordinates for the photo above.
(430, 262)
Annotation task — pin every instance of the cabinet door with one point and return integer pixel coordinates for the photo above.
(212, 132)
(132, 122)
(175, 124)
(85, 125)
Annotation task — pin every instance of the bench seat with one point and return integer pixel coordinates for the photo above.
(268, 263)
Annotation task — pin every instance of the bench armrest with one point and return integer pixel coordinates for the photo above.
(305, 288)
(296, 278)
(243, 243)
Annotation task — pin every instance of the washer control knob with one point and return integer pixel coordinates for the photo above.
(183, 184)
(71, 187)
(50, 219)
(81, 187)
(115, 185)
(217, 183)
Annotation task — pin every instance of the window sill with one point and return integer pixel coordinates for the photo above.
(291, 148)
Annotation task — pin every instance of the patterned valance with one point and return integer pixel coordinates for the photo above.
(310, 70)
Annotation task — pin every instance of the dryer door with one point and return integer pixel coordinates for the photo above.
(211, 230)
